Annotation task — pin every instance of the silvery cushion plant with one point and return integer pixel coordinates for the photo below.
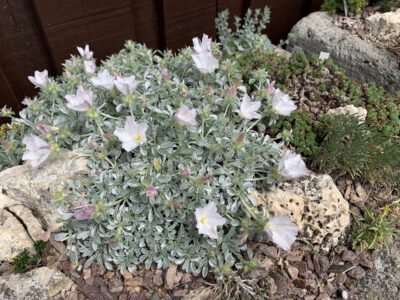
(175, 147)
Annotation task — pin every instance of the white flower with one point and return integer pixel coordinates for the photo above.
(89, 66)
(126, 85)
(27, 101)
(282, 104)
(208, 219)
(37, 150)
(132, 135)
(40, 79)
(324, 55)
(248, 109)
(186, 116)
(85, 52)
(204, 46)
(205, 62)
(292, 166)
(81, 101)
(103, 80)
(282, 231)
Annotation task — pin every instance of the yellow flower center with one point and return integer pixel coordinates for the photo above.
(138, 137)
(203, 220)
(269, 226)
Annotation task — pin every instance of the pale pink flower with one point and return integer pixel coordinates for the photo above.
(208, 219)
(165, 74)
(186, 172)
(271, 87)
(151, 191)
(282, 231)
(291, 166)
(204, 46)
(89, 66)
(40, 79)
(248, 109)
(85, 52)
(27, 101)
(205, 62)
(132, 135)
(126, 85)
(186, 116)
(282, 104)
(85, 212)
(81, 101)
(37, 150)
(103, 80)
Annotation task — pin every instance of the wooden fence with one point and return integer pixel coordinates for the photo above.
(41, 34)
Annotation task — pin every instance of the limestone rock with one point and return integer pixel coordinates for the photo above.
(385, 25)
(13, 237)
(42, 283)
(384, 279)
(362, 60)
(315, 204)
(359, 112)
(34, 188)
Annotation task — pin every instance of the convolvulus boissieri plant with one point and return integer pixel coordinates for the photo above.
(247, 35)
(175, 147)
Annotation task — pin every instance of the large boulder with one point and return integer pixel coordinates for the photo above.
(27, 209)
(42, 283)
(362, 60)
(33, 189)
(384, 26)
(315, 204)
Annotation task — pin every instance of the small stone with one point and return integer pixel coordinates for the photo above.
(270, 251)
(106, 293)
(148, 278)
(87, 274)
(310, 264)
(364, 261)
(127, 276)
(116, 285)
(348, 255)
(134, 282)
(329, 289)
(293, 272)
(123, 297)
(158, 280)
(301, 267)
(323, 296)
(178, 277)
(170, 277)
(309, 297)
(344, 295)
(356, 273)
(351, 283)
(340, 279)
(180, 293)
(293, 258)
(187, 278)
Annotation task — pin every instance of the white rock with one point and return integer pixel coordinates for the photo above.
(42, 283)
(34, 188)
(315, 204)
(13, 237)
(384, 25)
(359, 112)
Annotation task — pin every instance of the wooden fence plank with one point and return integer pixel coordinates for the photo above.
(103, 24)
(21, 50)
(183, 21)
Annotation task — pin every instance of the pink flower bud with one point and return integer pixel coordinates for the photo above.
(85, 212)
(186, 172)
(151, 191)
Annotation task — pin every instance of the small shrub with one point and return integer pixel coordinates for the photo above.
(350, 147)
(354, 6)
(376, 229)
(26, 261)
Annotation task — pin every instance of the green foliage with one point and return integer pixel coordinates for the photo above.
(247, 35)
(10, 144)
(26, 261)
(389, 5)
(383, 110)
(350, 147)
(375, 229)
(303, 132)
(354, 6)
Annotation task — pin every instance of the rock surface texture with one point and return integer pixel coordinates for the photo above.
(383, 282)
(26, 208)
(358, 112)
(315, 204)
(361, 60)
(39, 284)
(386, 25)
